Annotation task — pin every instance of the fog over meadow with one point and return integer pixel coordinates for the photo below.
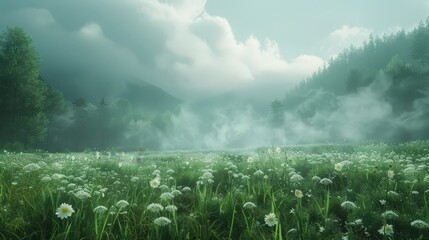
(206, 74)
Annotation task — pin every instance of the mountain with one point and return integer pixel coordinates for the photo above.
(149, 98)
(377, 91)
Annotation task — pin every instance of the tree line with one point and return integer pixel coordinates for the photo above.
(403, 57)
(36, 116)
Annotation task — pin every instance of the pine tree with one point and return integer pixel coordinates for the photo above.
(277, 114)
(22, 93)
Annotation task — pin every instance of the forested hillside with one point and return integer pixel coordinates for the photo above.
(377, 91)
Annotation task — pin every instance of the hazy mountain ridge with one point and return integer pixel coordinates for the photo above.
(377, 91)
(146, 97)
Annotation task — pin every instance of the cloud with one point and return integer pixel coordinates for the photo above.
(38, 16)
(173, 44)
(343, 38)
(92, 30)
(350, 34)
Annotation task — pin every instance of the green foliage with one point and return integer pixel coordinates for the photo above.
(397, 69)
(420, 43)
(277, 114)
(23, 94)
(212, 191)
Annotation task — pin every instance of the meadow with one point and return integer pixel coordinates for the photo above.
(328, 191)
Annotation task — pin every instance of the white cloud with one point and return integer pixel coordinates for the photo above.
(207, 58)
(92, 30)
(343, 38)
(174, 44)
(350, 34)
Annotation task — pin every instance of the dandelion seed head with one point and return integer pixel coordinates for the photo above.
(356, 222)
(389, 214)
(166, 196)
(82, 194)
(249, 205)
(338, 167)
(325, 181)
(122, 204)
(348, 205)
(46, 179)
(57, 176)
(316, 178)
(392, 194)
(258, 173)
(162, 221)
(419, 224)
(155, 207)
(296, 178)
(31, 167)
(154, 183)
(176, 193)
(298, 193)
(171, 208)
(100, 209)
(245, 178)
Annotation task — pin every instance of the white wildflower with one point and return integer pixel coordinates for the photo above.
(155, 207)
(271, 219)
(348, 205)
(162, 221)
(64, 211)
(122, 204)
(249, 205)
(419, 224)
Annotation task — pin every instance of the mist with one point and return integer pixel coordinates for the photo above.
(183, 75)
(321, 118)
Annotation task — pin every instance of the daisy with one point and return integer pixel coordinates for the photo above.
(271, 219)
(64, 211)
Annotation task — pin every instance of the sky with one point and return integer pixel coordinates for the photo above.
(194, 49)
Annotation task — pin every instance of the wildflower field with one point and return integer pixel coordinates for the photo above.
(373, 191)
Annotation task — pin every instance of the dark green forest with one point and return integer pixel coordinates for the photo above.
(378, 91)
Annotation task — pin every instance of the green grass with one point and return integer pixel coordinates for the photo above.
(211, 189)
